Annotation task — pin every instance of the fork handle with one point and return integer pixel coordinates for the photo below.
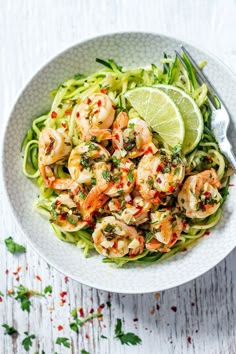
(227, 149)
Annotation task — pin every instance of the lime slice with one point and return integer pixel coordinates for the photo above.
(159, 111)
(191, 114)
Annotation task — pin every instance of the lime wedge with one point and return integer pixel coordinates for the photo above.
(159, 111)
(191, 114)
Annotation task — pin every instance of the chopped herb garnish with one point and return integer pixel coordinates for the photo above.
(14, 247)
(106, 175)
(79, 322)
(48, 289)
(63, 341)
(120, 191)
(126, 338)
(93, 181)
(148, 237)
(79, 76)
(9, 330)
(27, 341)
(83, 351)
(130, 176)
(23, 294)
(82, 195)
(103, 337)
(115, 161)
(71, 220)
(177, 170)
(84, 161)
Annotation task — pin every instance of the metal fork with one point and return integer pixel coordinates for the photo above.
(220, 118)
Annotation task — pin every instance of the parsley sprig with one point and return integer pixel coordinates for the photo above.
(27, 341)
(126, 338)
(9, 330)
(14, 247)
(23, 294)
(79, 322)
(63, 341)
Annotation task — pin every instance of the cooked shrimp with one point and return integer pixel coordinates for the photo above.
(54, 146)
(65, 213)
(94, 116)
(83, 159)
(159, 176)
(123, 177)
(199, 196)
(166, 227)
(133, 210)
(113, 238)
(131, 137)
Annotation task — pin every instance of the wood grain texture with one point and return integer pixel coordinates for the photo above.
(32, 32)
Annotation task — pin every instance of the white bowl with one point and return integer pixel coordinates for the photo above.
(128, 49)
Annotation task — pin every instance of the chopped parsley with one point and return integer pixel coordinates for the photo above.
(109, 228)
(23, 294)
(148, 237)
(71, 220)
(84, 161)
(93, 181)
(9, 330)
(115, 161)
(63, 341)
(48, 289)
(79, 322)
(82, 195)
(14, 247)
(27, 341)
(83, 351)
(106, 175)
(126, 338)
(130, 176)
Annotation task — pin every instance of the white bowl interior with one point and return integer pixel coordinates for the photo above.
(128, 49)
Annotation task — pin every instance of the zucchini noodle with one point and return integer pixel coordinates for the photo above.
(114, 81)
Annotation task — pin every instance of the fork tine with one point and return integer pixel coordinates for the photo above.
(212, 94)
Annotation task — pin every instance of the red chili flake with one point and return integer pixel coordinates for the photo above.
(63, 293)
(91, 311)
(86, 336)
(53, 115)
(152, 311)
(189, 339)
(99, 103)
(60, 328)
(38, 277)
(77, 114)
(104, 91)
(6, 271)
(207, 194)
(184, 249)
(89, 101)
(139, 210)
(64, 125)
(125, 169)
(159, 180)
(81, 312)
(173, 165)
(88, 221)
(171, 189)
(135, 319)
(117, 137)
(102, 306)
(97, 111)
(0, 299)
(17, 278)
(68, 112)
(159, 167)
(157, 307)
(231, 185)
(66, 279)
(63, 216)
(207, 233)
(174, 308)
(149, 150)
(57, 202)
(114, 107)
(26, 267)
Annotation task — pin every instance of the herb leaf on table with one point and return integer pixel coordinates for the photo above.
(126, 338)
(9, 330)
(14, 247)
(27, 341)
(63, 341)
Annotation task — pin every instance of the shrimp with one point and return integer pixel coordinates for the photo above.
(66, 214)
(199, 196)
(159, 176)
(54, 146)
(131, 137)
(132, 209)
(113, 238)
(123, 177)
(166, 227)
(84, 158)
(94, 116)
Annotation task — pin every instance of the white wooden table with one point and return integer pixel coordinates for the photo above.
(205, 319)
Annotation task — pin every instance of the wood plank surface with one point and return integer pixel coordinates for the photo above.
(198, 317)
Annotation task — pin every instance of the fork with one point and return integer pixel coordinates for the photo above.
(220, 118)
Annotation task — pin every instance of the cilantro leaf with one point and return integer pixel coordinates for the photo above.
(63, 341)
(83, 351)
(27, 341)
(23, 294)
(130, 176)
(14, 247)
(126, 338)
(48, 289)
(9, 330)
(148, 237)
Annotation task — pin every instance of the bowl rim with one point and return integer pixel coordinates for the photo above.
(20, 92)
